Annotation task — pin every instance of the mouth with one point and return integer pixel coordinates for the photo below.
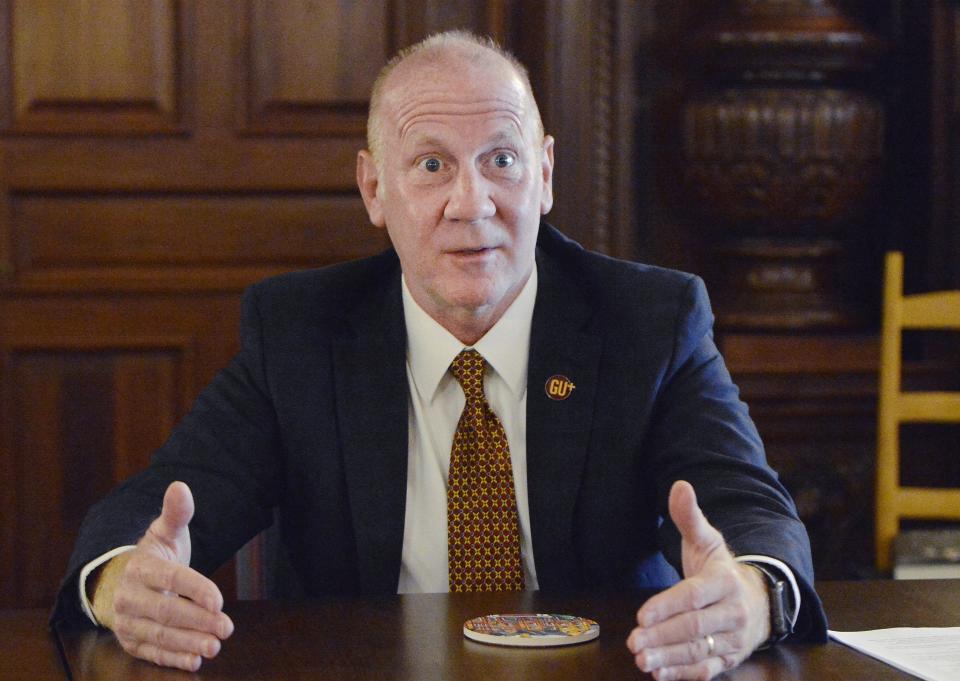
(469, 252)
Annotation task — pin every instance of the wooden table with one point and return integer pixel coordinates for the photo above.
(28, 652)
(419, 638)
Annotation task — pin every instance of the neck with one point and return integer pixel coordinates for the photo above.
(466, 323)
(469, 326)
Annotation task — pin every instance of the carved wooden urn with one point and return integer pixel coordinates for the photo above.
(782, 150)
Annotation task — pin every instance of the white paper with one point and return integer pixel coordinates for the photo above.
(931, 653)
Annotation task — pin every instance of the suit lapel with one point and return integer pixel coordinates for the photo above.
(371, 389)
(558, 430)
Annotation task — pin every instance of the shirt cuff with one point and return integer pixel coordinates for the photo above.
(779, 566)
(85, 604)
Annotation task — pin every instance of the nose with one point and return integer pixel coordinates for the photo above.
(469, 198)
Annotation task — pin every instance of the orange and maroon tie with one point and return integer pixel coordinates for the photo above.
(483, 530)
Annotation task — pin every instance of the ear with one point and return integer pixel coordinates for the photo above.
(546, 168)
(368, 180)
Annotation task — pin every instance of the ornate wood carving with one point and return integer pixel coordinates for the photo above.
(581, 59)
(602, 47)
(781, 155)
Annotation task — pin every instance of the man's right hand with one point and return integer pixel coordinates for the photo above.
(159, 608)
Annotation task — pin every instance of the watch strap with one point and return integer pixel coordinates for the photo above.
(779, 592)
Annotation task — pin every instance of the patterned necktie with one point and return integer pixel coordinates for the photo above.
(483, 530)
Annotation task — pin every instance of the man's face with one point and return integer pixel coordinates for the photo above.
(463, 180)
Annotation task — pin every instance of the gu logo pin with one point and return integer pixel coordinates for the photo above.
(558, 387)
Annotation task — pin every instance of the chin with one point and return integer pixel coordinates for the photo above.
(476, 299)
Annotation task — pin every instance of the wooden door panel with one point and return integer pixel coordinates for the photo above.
(309, 66)
(90, 387)
(215, 161)
(192, 240)
(79, 426)
(103, 67)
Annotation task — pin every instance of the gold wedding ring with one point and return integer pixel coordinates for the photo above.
(711, 645)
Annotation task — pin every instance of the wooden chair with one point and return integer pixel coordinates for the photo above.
(939, 310)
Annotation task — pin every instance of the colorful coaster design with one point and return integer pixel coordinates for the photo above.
(538, 630)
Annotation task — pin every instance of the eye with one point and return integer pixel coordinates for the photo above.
(503, 160)
(431, 164)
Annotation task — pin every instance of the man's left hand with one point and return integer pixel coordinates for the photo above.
(714, 618)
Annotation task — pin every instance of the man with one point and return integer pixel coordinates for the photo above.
(613, 406)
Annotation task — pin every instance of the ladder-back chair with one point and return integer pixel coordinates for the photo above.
(939, 310)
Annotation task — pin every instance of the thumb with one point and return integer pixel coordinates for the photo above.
(699, 537)
(686, 514)
(170, 529)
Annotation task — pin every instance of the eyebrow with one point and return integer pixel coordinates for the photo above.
(428, 141)
(504, 138)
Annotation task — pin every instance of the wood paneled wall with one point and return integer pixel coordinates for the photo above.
(156, 156)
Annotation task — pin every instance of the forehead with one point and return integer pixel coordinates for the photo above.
(456, 91)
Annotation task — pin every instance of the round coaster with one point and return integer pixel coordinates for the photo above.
(537, 630)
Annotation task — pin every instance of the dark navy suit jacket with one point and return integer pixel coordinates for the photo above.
(310, 419)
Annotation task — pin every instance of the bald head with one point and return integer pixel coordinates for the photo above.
(460, 50)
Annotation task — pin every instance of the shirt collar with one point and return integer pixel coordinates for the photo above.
(431, 348)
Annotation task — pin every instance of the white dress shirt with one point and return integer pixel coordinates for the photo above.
(436, 401)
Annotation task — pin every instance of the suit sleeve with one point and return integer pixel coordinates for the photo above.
(702, 432)
(227, 449)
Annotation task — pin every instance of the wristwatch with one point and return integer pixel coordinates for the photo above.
(781, 604)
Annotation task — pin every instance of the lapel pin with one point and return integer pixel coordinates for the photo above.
(558, 387)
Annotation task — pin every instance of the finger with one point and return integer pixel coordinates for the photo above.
(160, 574)
(687, 595)
(690, 652)
(170, 528)
(688, 626)
(689, 519)
(170, 610)
(164, 658)
(702, 671)
(172, 639)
